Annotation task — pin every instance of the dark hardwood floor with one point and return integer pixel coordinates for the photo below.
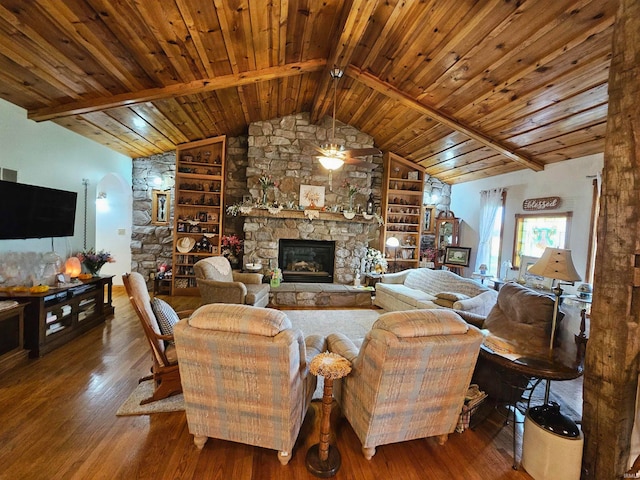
(58, 421)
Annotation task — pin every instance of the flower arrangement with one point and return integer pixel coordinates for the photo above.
(374, 261)
(231, 245)
(93, 261)
(429, 254)
(266, 182)
(352, 189)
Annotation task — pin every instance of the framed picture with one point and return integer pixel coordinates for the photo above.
(457, 256)
(429, 223)
(160, 207)
(202, 216)
(311, 195)
(534, 281)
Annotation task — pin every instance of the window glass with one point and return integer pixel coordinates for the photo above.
(536, 232)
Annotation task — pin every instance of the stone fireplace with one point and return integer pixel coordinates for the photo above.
(306, 261)
(283, 149)
(264, 232)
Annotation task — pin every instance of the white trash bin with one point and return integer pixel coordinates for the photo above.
(552, 444)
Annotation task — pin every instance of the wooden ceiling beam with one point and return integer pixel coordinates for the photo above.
(178, 90)
(395, 94)
(352, 29)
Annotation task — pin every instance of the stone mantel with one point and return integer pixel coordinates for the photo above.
(308, 215)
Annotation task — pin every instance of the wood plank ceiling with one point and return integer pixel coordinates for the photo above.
(466, 89)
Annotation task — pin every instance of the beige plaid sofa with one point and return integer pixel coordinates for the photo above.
(218, 283)
(420, 288)
(245, 375)
(409, 378)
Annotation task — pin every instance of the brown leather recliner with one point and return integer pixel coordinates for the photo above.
(523, 318)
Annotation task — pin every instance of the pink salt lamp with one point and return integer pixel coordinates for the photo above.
(72, 267)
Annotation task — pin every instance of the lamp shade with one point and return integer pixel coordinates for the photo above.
(331, 163)
(556, 263)
(393, 242)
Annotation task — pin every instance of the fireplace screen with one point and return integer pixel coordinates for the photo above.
(306, 261)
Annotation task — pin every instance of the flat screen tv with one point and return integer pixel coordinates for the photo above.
(29, 211)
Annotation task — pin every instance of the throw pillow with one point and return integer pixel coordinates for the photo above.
(165, 315)
(452, 296)
(444, 303)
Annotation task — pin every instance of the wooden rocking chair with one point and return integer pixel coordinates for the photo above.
(164, 371)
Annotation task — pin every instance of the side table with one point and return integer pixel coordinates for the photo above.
(323, 459)
(481, 276)
(522, 375)
(370, 279)
(162, 286)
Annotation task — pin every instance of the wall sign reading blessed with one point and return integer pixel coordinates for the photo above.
(546, 203)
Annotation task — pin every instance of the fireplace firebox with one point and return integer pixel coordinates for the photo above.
(306, 261)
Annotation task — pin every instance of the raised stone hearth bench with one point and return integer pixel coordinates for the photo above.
(319, 295)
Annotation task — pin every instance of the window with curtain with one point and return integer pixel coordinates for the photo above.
(490, 229)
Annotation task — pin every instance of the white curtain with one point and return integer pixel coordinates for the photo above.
(490, 202)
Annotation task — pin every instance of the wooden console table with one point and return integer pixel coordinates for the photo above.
(55, 317)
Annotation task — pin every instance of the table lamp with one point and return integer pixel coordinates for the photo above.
(555, 263)
(394, 243)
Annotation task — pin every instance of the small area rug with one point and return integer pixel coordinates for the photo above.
(132, 406)
(353, 323)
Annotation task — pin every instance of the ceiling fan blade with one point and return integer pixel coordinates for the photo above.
(318, 149)
(362, 152)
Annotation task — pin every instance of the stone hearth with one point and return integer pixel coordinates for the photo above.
(319, 295)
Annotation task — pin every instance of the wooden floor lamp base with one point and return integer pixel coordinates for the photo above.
(323, 459)
(323, 469)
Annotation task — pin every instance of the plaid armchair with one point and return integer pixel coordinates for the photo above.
(409, 378)
(218, 283)
(245, 375)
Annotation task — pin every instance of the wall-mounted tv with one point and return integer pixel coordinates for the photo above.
(29, 211)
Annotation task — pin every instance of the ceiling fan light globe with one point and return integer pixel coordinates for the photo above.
(331, 163)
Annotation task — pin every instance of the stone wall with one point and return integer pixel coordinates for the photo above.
(151, 245)
(283, 148)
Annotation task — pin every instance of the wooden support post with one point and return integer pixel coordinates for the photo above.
(611, 367)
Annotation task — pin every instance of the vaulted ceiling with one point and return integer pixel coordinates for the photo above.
(466, 89)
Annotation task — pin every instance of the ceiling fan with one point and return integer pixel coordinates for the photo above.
(333, 156)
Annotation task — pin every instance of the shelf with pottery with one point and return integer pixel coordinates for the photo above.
(199, 199)
(402, 209)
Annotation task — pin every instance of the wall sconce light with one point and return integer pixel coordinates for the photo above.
(101, 202)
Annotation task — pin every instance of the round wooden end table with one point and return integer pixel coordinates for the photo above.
(522, 375)
(323, 460)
